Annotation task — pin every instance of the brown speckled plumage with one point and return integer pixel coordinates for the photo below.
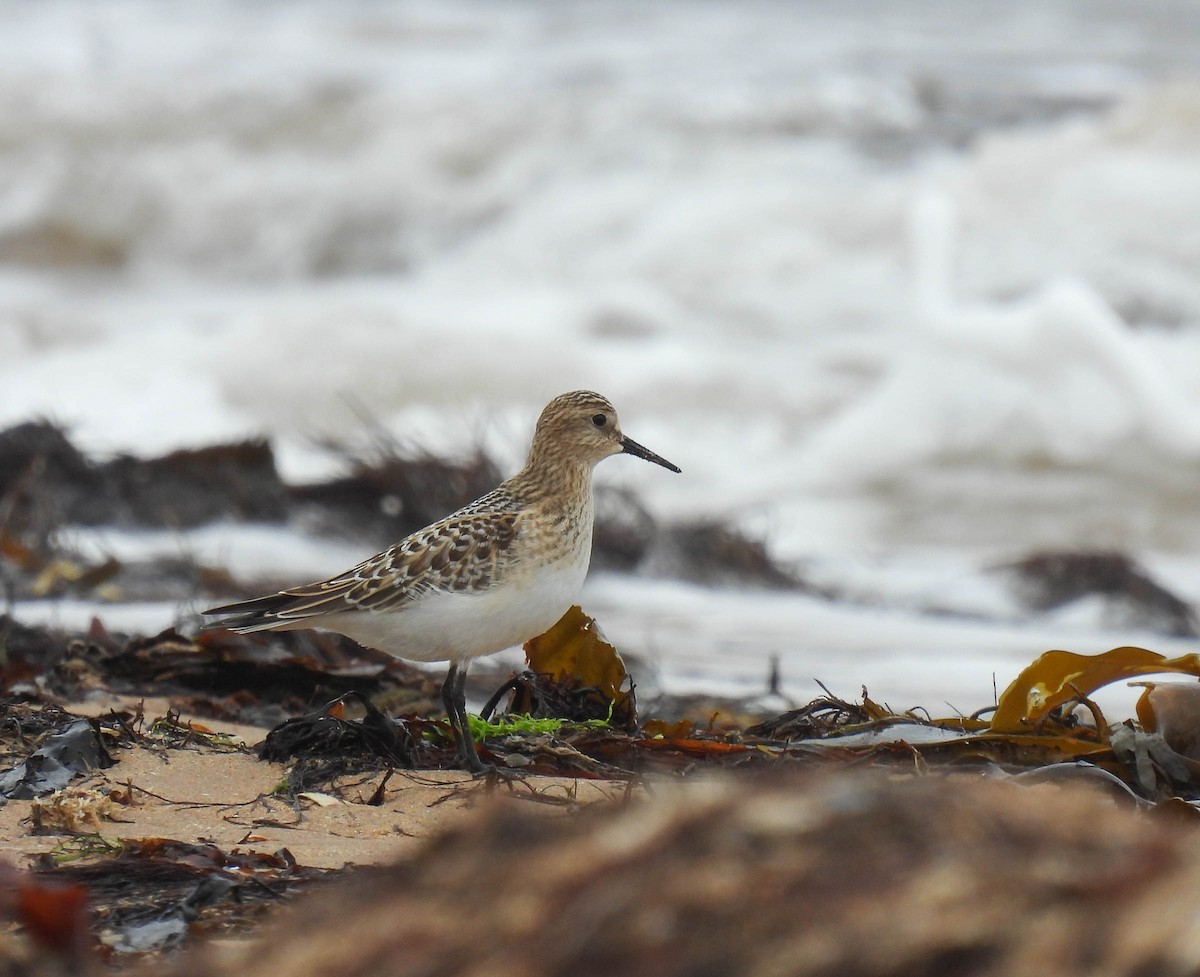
(493, 574)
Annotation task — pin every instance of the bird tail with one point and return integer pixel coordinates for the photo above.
(259, 614)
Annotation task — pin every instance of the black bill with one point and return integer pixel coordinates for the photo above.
(631, 447)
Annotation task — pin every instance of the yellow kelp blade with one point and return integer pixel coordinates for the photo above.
(575, 652)
(1059, 676)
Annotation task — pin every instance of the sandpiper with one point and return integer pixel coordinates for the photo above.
(492, 575)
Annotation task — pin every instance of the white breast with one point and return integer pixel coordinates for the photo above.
(442, 626)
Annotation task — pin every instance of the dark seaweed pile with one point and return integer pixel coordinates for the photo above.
(47, 484)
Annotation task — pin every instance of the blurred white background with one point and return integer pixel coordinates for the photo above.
(908, 289)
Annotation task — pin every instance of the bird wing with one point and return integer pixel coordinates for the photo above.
(463, 553)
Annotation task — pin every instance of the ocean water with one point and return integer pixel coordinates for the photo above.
(906, 290)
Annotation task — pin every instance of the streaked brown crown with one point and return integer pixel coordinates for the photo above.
(575, 430)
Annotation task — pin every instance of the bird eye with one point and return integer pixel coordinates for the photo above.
(599, 420)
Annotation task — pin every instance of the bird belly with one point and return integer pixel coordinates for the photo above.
(443, 625)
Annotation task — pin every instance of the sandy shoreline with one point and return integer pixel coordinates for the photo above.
(199, 794)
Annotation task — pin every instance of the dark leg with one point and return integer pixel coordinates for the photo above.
(455, 702)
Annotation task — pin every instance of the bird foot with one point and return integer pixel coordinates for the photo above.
(478, 769)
